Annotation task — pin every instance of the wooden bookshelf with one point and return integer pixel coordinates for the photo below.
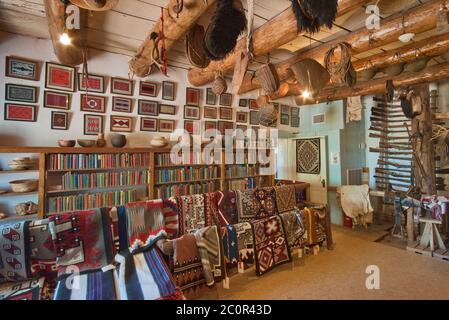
(18, 194)
(18, 171)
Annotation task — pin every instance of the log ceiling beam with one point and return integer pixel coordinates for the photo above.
(430, 74)
(271, 35)
(71, 54)
(174, 29)
(418, 19)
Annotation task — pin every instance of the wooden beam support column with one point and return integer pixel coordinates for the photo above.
(271, 35)
(174, 29)
(418, 19)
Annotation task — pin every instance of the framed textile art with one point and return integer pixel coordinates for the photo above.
(210, 112)
(121, 104)
(121, 124)
(225, 125)
(93, 124)
(210, 125)
(226, 99)
(57, 100)
(148, 89)
(122, 86)
(166, 125)
(20, 112)
(59, 77)
(192, 127)
(193, 96)
(211, 97)
(95, 83)
(308, 156)
(148, 108)
(253, 104)
(167, 109)
(93, 103)
(254, 117)
(21, 93)
(242, 117)
(59, 120)
(148, 124)
(225, 113)
(192, 113)
(22, 68)
(168, 90)
(243, 103)
(285, 119)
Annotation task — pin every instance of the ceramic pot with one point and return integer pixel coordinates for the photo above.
(118, 140)
(101, 142)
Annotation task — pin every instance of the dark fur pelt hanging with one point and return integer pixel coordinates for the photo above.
(225, 26)
(311, 15)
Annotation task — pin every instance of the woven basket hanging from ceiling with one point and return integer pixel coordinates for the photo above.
(268, 115)
(194, 47)
(338, 63)
(311, 75)
(219, 85)
(268, 78)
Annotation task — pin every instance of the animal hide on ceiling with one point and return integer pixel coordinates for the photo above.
(311, 15)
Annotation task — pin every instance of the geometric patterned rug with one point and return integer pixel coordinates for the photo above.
(308, 156)
(270, 244)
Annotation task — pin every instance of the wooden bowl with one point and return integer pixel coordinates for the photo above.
(87, 143)
(66, 143)
(27, 185)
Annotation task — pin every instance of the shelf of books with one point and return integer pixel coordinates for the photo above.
(184, 174)
(81, 181)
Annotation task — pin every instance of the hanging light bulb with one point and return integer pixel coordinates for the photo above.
(65, 39)
(306, 94)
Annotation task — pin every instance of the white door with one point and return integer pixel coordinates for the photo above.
(318, 182)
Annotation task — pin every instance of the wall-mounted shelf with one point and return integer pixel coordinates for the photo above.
(18, 171)
(18, 194)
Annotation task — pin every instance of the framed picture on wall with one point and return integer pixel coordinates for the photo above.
(192, 127)
(22, 68)
(242, 117)
(243, 103)
(167, 109)
(192, 113)
(21, 93)
(91, 83)
(20, 112)
(210, 112)
(59, 120)
(254, 117)
(57, 100)
(253, 104)
(225, 113)
(59, 77)
(285, 119)
(121, 124)
(93, 103)
(193, 96)
(148, 89)
(226, 99)
(121, 104)
(225, 125)
(168, 90)
(93, 124)
(148, 108)
(122, 86)
(148, 124)
(209, 125)
(211, 97)
(166, 125)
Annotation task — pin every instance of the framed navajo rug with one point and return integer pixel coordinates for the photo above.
(121, 124)
(270, 242)
(20, 112)
(57, 100)
(60, 77)
(59, 120)
(211, 97)
(120, 104)
(148, 89)
(148, 124)
(122, 86)
(168, 90)
(308, 156)
(20, 93)
(95, 83)
(93, 124)
(22, 68)
(93, 103)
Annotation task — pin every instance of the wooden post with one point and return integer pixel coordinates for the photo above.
(152, 175)
(42, 185)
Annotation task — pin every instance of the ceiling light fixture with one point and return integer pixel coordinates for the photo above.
(65, 39)
(306, 94)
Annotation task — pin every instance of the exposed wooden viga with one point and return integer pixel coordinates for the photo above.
(174, 29)
(71, 54)
(417, 20)
(271, 35)
(430, 74)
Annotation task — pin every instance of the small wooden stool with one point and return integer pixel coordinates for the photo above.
(431, 236)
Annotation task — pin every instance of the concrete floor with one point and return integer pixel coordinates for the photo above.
(340, 274)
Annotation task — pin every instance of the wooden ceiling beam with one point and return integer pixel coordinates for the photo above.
(174, 29)
(430, 74)
(71, 54)
(271, 35)
(417, 20)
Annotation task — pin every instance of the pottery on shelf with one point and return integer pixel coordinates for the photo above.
(3, 216)
(101, 142)
(21, 163)
(159, 142)
(27, 185)
(87, 143)
(25, 208)
(118, 140)
(66, 143)
(2, 191)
